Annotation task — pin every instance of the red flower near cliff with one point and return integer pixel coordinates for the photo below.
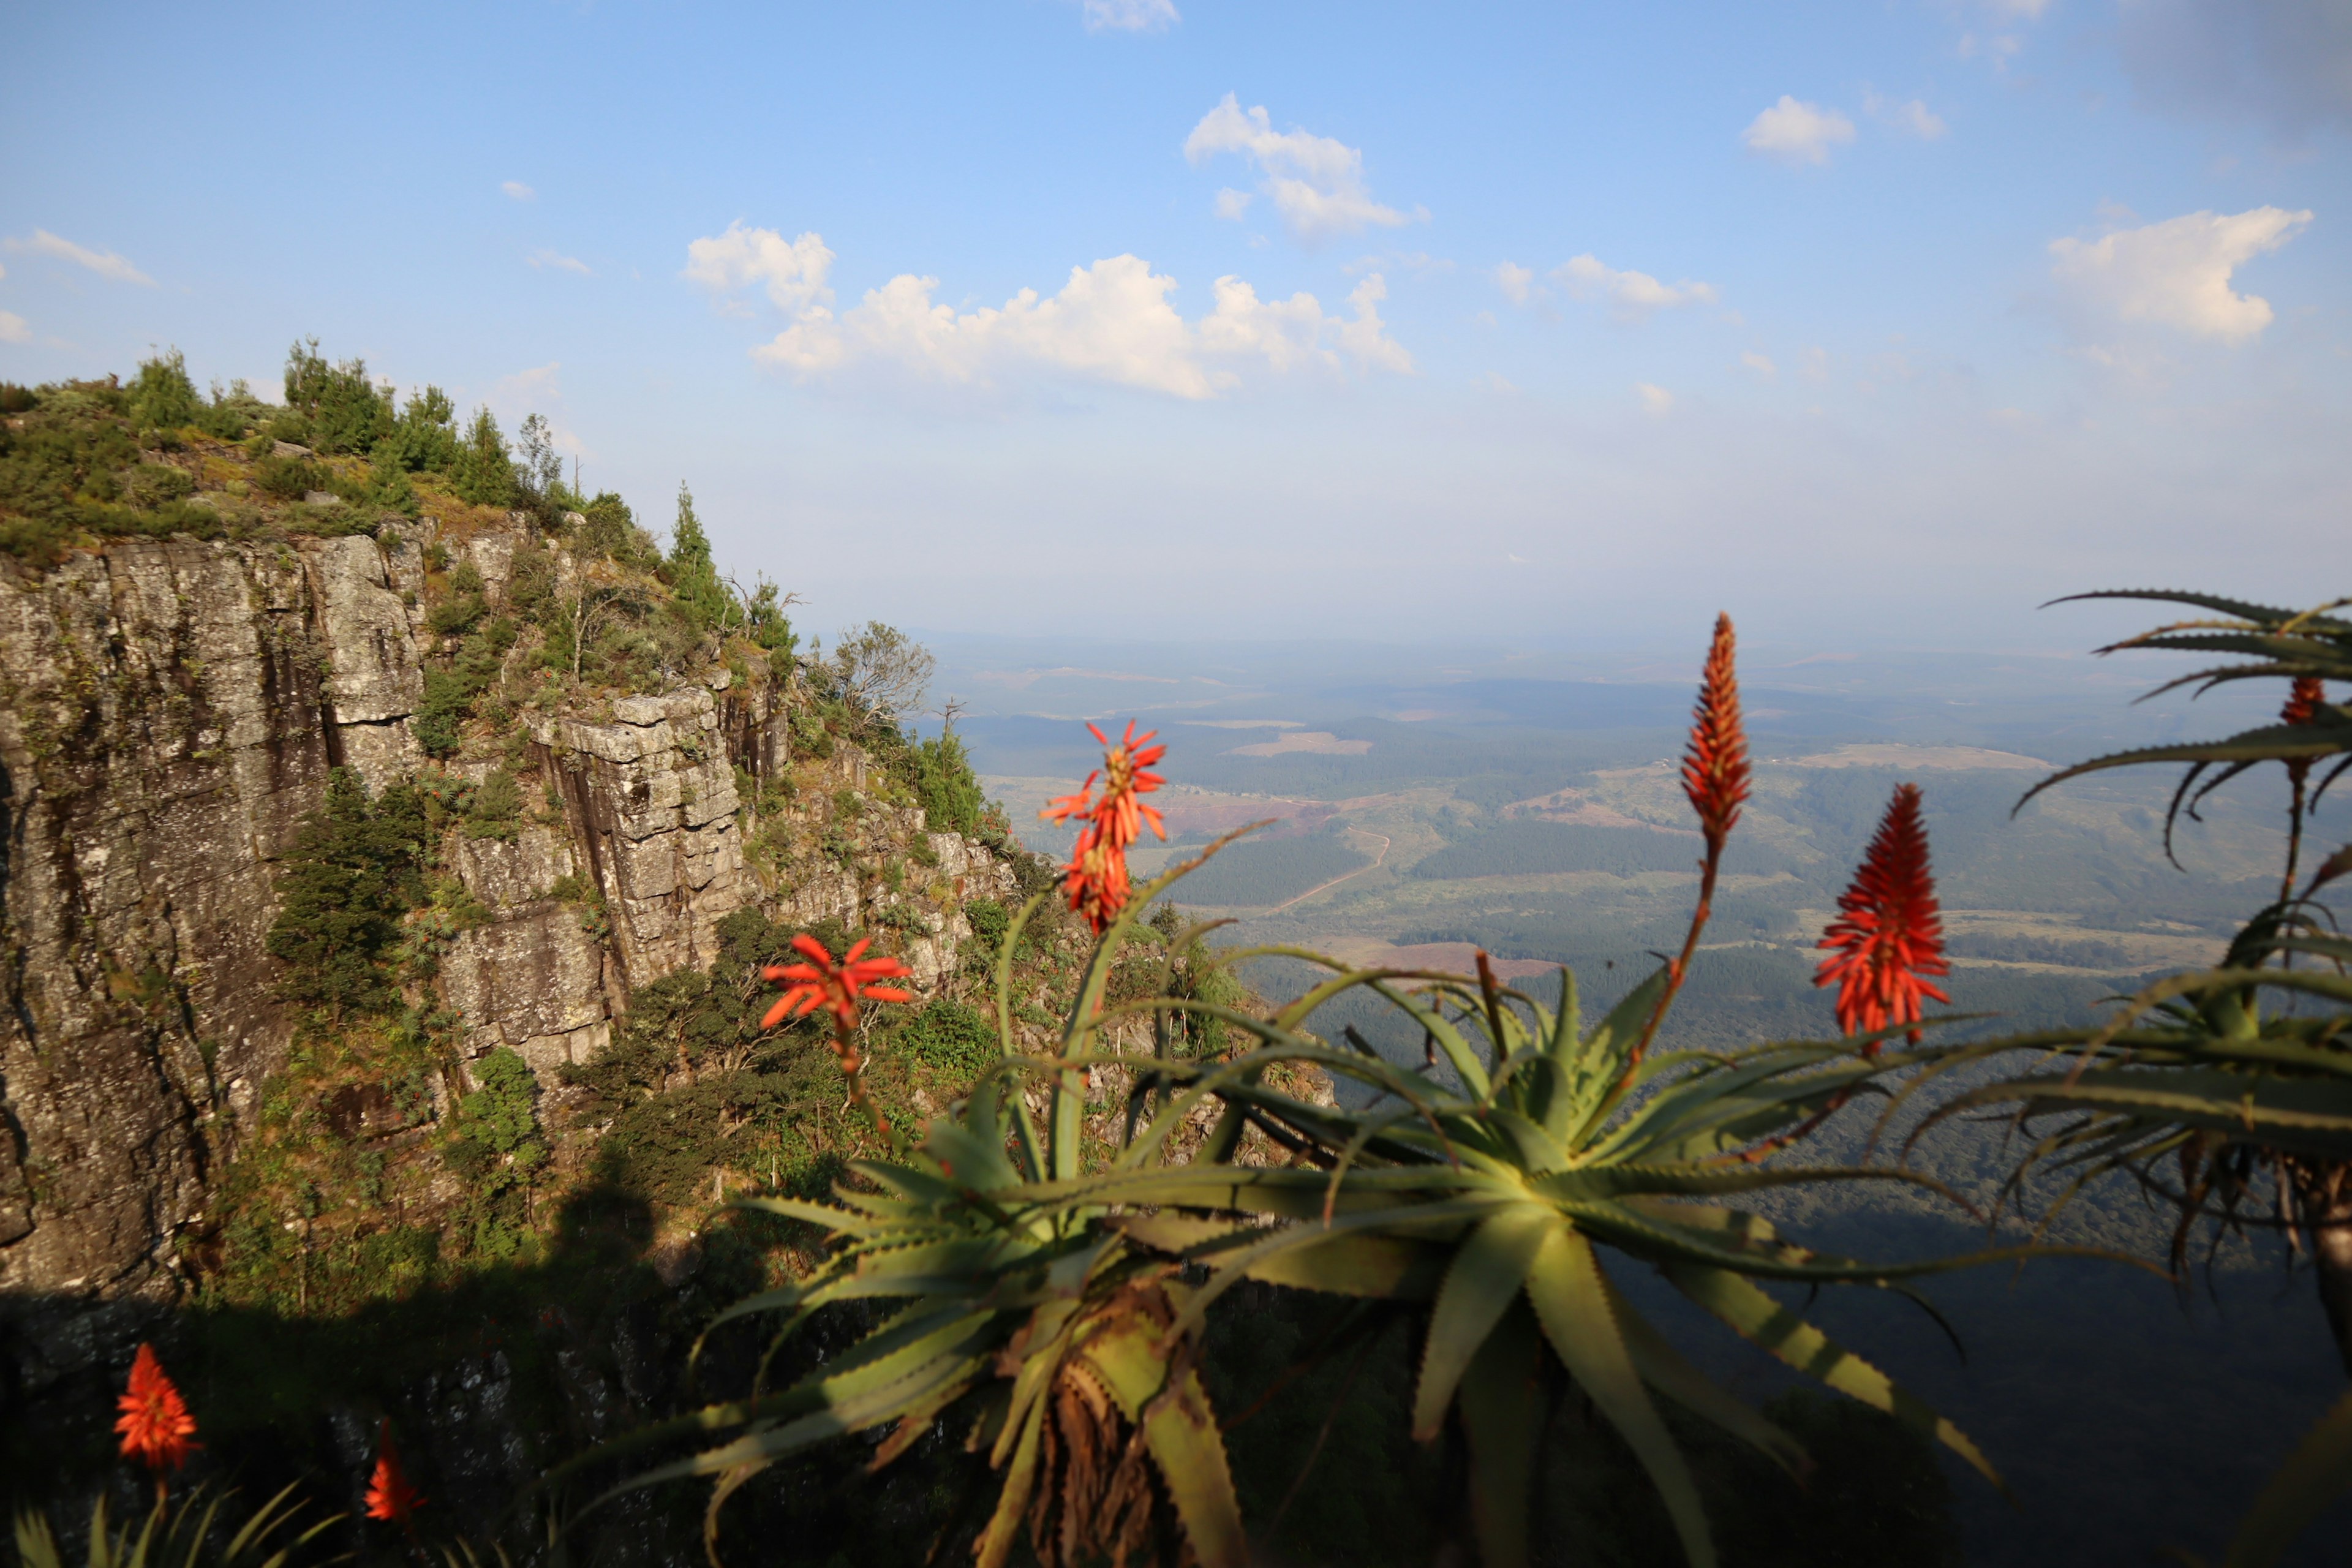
(1888, 935)
(1715, 768)
(155, 1424)
(836, 988)
(389, 1495)
(1096, 879)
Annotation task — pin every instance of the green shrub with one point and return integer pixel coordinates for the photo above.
(496, 809)
(945, 784)
(162, 397)
(151, 485)
(15, 399)
(952, 1037)
(355, 868)
(289, 479)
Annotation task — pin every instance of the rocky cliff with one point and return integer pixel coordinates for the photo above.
(170, 713)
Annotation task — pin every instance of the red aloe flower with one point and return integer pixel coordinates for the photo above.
(1096, 879)
(1715, 769)
(2302, 700)
(389, 1495)
(1888, 935)
(155, 1424)
(820, 982)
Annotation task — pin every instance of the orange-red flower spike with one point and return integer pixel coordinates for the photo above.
(155, 1424)
(389, 1495)
(836, 988)
(1888, 936)
(1714, 767)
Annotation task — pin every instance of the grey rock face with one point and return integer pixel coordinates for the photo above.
(170, 712)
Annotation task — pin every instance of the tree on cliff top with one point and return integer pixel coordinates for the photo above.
(701, 596)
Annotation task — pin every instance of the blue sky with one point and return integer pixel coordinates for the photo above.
(1569, 324)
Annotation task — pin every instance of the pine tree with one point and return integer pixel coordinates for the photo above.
(483, 474)
(701, 595)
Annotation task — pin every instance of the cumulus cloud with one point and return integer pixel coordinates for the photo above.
(1113, 323)
(791, 271)
(1633, 294)
(1760, 365)
(1232, 204)
(1656, 400)
(2284, 63)
(517, 191)
(1130, 16)
(1797, 132)
(13, 329)
(105, 263)
(545, 259)
(2177, 273)
(1913, 117)
(1516, 282)
(1316, 183)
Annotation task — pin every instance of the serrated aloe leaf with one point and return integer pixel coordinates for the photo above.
(1758, 1317)
(1503, 1413)
(1571, 1300)
(1663, 1368)
(1383, 1266)
(1486, 1275)
(2315, 1475)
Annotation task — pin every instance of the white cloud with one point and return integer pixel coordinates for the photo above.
(1233, 203)
(13, 329)
(1656, 400)
(1760, 365)
(1632, 293)
(1130, 16)
(1797, 132)
(543, 258)
(105, 263)
(1316, 183)
(1914, 118)
(2177, 273)
(791, 271)
(520, 192)
(1112, 322)
(1515, 282)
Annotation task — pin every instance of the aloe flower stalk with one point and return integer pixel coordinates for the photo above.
(1888, 936)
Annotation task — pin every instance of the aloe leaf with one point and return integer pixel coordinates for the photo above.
(1013, 1498)
(2313, 1475)
(1502, 1413)
(1663, 1368)
(1485, 1278)
(1381, 1267)
(1571, 1300)
(1758, 1317)
(1181, 1430)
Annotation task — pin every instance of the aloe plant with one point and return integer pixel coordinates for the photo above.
(2226, 1090)
(180, 1536)
(1052, 1305)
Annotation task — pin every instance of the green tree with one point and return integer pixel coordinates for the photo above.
(342, 409)
(481, 472)
(701, 596)
(424, 437)
(163, 397)
(950, 791)
(355, 867)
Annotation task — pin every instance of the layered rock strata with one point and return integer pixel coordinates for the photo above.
(170, 712)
